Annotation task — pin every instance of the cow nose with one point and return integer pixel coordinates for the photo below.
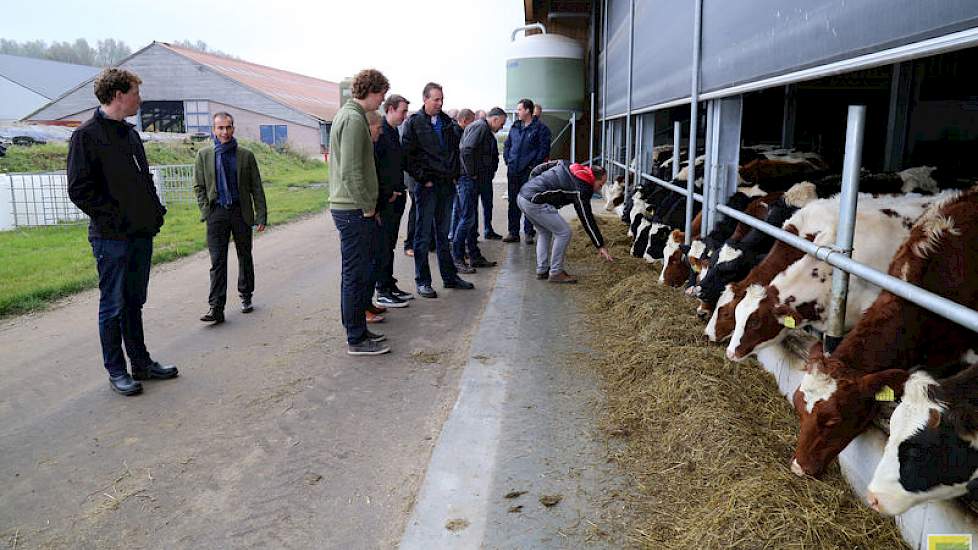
(796, 468)
(874, 501)
(731, 355)
(692, 291)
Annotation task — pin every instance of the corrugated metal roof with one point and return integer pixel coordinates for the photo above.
(18, 101)
(46, 78)
(319, 98)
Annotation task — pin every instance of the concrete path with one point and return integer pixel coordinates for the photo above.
(273, 437)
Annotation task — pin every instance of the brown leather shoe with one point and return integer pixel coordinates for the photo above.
(409, 252)
(374, 318)
(376, 310)
(563, 278)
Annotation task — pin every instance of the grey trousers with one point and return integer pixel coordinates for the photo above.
(553, 235)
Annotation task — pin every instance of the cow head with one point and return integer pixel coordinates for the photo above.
(727, 265)
(756, 325)
(723, 320)
(926, 457)
(657, 240)
(834, 410)
(675, 254)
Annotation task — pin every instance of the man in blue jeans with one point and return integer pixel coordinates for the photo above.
(431, 159)
(353, 191)
(479, 160)
(526, 146)
(110, 181)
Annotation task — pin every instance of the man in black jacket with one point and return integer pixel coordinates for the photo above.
(479, 159)
(431, 156)
(552, 186)
(391, 198)
(109, 180)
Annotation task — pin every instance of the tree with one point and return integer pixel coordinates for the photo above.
(110, 52)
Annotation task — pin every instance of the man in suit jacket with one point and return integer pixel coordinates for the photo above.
(231, 200)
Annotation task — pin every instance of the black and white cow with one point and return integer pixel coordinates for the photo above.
(932, 450)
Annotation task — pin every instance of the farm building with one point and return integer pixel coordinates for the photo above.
(772, 86)
(182, 88)
(27, 84)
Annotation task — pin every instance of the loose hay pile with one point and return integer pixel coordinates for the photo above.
(707, 441)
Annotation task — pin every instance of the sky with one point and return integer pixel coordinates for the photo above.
(461, 44)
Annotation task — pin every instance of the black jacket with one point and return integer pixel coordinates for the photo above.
(424, 158)
(554, 184)
(478, 151)
(389, 158)
(109, 179)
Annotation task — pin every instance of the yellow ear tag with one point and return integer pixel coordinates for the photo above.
(885, 394)
(789, 322)
(695, 268)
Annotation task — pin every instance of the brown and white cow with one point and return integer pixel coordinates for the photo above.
(799, 296)
(836, 399)
(932, 450)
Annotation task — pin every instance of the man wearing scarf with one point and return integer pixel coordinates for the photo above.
(231, 200)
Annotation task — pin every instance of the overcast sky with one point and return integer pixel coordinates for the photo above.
(460, 44)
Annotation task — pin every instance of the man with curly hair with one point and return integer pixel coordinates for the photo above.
(110, 181)
(353, 191)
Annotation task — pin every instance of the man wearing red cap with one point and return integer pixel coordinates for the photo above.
(550, 187)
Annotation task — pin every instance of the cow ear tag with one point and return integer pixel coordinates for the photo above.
(789, 322)
(885, 394)
(695, 268)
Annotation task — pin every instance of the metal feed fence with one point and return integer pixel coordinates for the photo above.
(37, 199)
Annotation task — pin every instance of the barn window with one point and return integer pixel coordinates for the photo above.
(197, 117)
(162, 116)
(274, 134)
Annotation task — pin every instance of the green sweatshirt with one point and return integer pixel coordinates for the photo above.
(352, 173)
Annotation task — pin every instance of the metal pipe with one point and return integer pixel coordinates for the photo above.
(677, 136)
(538, 25)
(628, 95)
(672, 187)
(604, 84)
(639, 144)
(710, 166)
(590, 139)
(573, 137)
(948, 309)
(566, 15)
(693, 116)
(942, 44)
(855, 129)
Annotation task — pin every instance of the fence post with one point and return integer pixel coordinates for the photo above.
(855, 128)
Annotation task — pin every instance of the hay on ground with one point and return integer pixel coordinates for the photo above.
(706, 441)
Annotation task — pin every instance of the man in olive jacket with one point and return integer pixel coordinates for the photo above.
(231, 200)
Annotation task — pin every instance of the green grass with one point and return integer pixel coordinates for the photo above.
(39, 265)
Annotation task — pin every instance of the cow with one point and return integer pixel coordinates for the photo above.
(930, 453)
(780, 169)
(836, 398)
(614, 194)
(736, 257)
(679, 261)
(799, 296)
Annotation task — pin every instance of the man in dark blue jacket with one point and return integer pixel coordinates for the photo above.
(526, 146)
(431, 159)
(479, 160)
(110, 181)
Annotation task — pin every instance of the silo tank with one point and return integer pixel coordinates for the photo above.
(548, 69)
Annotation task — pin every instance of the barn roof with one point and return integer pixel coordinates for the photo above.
(312, 96)
(46, 78)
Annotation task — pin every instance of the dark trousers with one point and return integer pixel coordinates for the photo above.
(412, 217)
(390, 219)
(356, 233)
(515, 181)
(485, 195)
(433, 209)
(222, 224)
(466, 216)
(123, 281)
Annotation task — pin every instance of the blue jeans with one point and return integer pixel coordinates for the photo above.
(515, 181)
(390, 219)
(433, 210)
(123, 281)
(456, 215)
(485, 195)
(356, 234)
(466, 214)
